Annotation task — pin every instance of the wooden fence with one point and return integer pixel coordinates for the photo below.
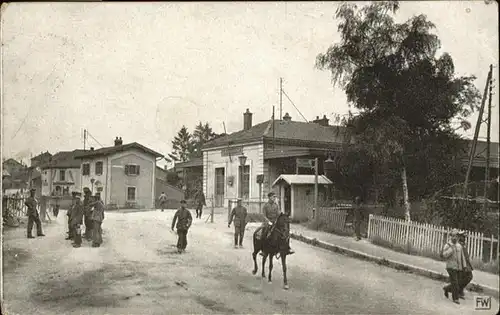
(425, 239)
(13, 206)
(334, 218)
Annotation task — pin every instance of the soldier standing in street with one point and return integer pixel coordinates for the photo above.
(33, 217)
(184, 220)
(76, 221)
(200, 202)
(239, 214)
(87, 213)
(97, 218)
(69, 213)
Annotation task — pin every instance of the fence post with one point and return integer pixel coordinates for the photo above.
(407, 236)
(491, 248)
(230, 205)
(370, 216)
(212, 210)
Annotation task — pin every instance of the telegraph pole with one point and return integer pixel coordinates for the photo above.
(281, 98)
(488, 140)
(476, 134)
(316, 190)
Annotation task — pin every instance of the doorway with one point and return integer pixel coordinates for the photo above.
(219, 186)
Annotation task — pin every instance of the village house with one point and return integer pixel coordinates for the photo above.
(124, 174)
(246, 163)
(15, 179)
(35, 171)
(61, 174)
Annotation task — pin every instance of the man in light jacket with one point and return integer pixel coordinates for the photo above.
(97, 216)
(466, 275)
(453, 253)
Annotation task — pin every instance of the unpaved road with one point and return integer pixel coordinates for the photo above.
(137, 271)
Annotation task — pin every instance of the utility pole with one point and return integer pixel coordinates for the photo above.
(84, 138)
(488, 140)
(316, 191)
(281, 98)
(476, 134)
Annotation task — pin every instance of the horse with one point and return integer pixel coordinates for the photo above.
(276, 243)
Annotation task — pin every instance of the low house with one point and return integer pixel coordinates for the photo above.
(191, 175)
(124, 174)
(297, 194)
(61, 175)
(246, 163)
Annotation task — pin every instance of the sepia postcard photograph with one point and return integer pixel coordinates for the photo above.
(250, 157)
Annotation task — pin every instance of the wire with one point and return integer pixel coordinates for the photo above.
(294, 105)
(94, 139)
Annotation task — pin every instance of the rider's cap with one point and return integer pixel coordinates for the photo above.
(271, 194)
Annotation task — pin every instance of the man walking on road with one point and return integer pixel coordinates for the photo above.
(239, 214)
(33, 217)
(163, 201)
(466, 274)
(184, 219)
(97, 218)
(200, 202)
(455, 261)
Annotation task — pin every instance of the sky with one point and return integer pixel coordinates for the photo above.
(141, 71)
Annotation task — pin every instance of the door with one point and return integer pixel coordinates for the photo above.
(288, 199)
(219, 186)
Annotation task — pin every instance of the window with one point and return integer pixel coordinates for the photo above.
(131, 193)
(98, 168)
(62, 175)
(244, 181)
(86, 169)
(132, 169)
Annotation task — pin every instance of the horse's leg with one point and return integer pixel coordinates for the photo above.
(283, 265)
(256, 249)
(270, 267)
(264, 264)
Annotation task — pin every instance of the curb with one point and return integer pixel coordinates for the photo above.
(473, 286)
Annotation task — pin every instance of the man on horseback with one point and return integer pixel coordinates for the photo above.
(271, 213)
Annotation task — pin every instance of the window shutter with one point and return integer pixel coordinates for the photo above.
(126, 169)
(137, 168)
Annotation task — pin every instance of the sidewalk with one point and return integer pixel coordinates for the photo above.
(432, 268)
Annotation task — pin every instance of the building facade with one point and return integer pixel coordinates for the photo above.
(124, 174)
(61, 175)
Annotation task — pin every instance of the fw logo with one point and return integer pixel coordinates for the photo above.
(483, 302)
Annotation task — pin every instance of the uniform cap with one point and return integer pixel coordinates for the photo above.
(454, 232)
(183, 201)
(271, 194)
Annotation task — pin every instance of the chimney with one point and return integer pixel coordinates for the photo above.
(118, 141)
(247, 120)
(322, 122)
(287, 117)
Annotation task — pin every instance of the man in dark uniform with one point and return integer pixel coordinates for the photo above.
(200, 202)
(184, 219)
(87, 213)
(271, 213)
(69, 212)
(239, 214)
(358, 217)
(97, 218)
(76, 221)
(32, 213)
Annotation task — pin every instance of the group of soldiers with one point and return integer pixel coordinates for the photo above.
(89, 212)
(182, 221)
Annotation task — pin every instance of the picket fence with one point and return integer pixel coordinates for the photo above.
(427, 238)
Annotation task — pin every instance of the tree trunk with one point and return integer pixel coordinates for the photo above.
(405, 193)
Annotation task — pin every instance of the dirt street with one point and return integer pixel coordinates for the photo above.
(137, 271)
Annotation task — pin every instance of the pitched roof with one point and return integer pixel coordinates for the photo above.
(64, 159)
(291, 130)
(116, 149)
(41, 156)
(302, 179)
(192, 163)
(12, 161)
